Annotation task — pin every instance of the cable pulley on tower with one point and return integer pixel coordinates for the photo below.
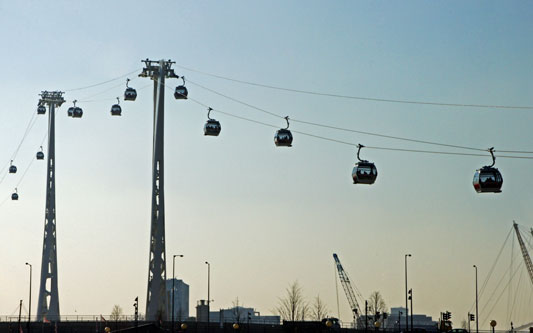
(116, 110)
(40, 154)
(15, 195)
(212, 127)
(181, 91)
(488, 179)
(364, 172)
(130, 94)
(12, 168)
(75, 111)
(283, 137)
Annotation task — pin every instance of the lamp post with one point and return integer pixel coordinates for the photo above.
(400, 321)
(406, 307)
(173, 284)
(29, 309)
(477, 316)
(411, 299)
(208, 292)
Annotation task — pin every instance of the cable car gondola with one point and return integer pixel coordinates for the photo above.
(181, 91)
(15, 195)
(75, 111)
(12, 168)
(283, 137)
(41, 109)
(364, 172)
(488, 179)
(212, 127)
(130, 94)
(40, 154)
(116, 110)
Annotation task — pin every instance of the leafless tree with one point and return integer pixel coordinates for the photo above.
(116, 313)
(320, 310)
(237, 310)
(376, 303)
(293, 306)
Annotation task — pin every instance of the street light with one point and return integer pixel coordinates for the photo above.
(29, 309)
(173, 284)
(208, 292)
(406, 307)
(477, 316)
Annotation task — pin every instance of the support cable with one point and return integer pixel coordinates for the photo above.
(104, 82)
(355, 144)
(353, 130)
(372, 99)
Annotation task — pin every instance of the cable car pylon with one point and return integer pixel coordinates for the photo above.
(156, 300)
(48, 304)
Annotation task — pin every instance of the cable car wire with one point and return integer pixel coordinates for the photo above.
(355, 144)
(356, 131)
(104, 82)
(372, 99)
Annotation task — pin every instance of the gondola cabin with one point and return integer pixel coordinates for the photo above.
(212, 127)
(130, 94)
(14, 196)
(116, 110)
(488, 180)
(70, 111)
(180, 92)
(77, 112)
(283, 138)
(40, 155)
(41, 109)
(12, 169)
(364, 172)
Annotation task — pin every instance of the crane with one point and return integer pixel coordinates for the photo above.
(348, 290)
(527, 259)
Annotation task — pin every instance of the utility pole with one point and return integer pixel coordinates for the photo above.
(156, 300)
(477, 314)
(406, 306)
(48, 304)
(411, 299)
(20, 313)
(29, 307)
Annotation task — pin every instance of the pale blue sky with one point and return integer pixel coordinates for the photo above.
(266, 216)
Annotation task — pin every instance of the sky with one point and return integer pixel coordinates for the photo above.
(265, 216)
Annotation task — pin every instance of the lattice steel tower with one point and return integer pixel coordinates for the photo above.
(156, 300)
(48, 305)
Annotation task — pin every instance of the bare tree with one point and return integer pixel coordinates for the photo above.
(376, 303)
(237, 310)
(320, 310)
(293, 306)
(116, 312)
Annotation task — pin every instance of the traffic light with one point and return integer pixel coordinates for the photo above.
(472, 317)
(447, 315)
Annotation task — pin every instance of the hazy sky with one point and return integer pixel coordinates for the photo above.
(265, 216)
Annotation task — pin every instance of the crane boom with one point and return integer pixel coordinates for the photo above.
(347, 286)
(527, 259)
